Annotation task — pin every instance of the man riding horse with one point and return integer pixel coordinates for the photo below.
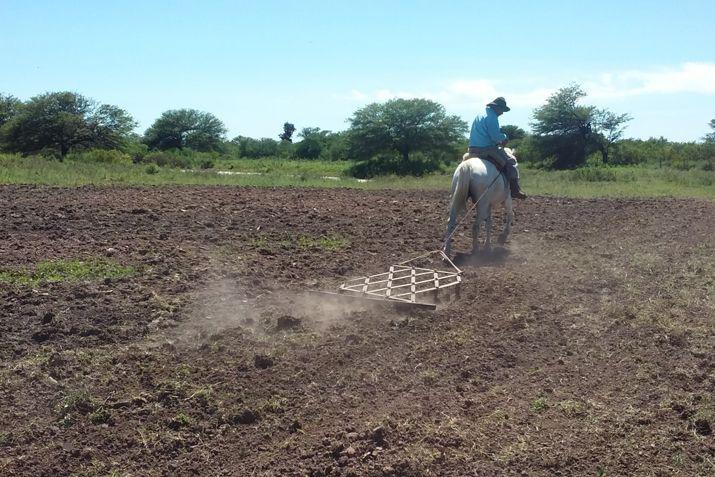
(487, 141)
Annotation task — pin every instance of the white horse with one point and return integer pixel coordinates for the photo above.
(479, 179)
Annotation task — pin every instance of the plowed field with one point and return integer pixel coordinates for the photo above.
(585, 346)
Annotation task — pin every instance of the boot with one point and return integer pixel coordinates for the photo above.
(516, 192)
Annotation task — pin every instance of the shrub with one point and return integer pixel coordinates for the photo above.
(136, 150)
(206, 164)
(102, 156)
(386, 164)
(594, 174)
(168, 159)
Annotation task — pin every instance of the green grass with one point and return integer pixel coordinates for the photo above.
(52, 271)
(330, 243)
(274, 166)
(626, 181)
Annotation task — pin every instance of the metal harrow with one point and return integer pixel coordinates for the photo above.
(405, 284)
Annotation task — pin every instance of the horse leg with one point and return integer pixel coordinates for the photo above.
(450, 228)
(509, 219)
(482, 214)
(488, 228)
(475, 233)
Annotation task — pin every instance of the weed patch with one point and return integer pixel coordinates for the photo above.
(275, 405)
(80, 403)
(572, 408)
(539, 404)
(54, 271)
(329, 243)
(326, 243)
(179, 421)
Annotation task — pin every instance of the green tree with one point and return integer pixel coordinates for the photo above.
(562, 127)
(179, 128)
(403, 126)
(315, 142)
(710, 137)
(254, 148)
(308, 148)
(568, 131)
(513, 133)
(608, 127)
(59, 122)
(287, 134)
(9, 107)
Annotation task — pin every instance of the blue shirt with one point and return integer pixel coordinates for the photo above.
(486, 131)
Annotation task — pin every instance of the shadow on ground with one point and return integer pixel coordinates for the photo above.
(496, 256)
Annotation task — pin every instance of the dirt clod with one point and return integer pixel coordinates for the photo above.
(287, 322)
(262, 361)
(378, 436)
(702, 427)
(246, 416)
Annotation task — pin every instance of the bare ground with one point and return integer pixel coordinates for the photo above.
(584, 347)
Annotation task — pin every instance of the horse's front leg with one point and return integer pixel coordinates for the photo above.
(509, 219)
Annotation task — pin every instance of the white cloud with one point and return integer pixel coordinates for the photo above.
(691, 77)
(698, 78)
(457, 94)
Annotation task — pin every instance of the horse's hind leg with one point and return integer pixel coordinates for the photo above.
(488, 228)
(450, 228)
(509, 219)
(475, 233)
(482, 214)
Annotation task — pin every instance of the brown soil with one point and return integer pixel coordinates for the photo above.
(584, 347)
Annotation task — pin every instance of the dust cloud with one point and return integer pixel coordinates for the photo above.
(223, 306)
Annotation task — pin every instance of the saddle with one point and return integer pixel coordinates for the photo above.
(499, 167)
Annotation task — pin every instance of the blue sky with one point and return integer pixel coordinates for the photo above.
(257, 64)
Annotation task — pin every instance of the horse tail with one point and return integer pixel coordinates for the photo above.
(460, 188)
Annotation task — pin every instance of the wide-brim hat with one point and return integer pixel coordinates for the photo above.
(500, 102)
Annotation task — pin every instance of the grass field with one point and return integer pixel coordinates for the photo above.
(626, 181)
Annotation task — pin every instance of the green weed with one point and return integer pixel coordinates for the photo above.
(179, 421)
(76, 401)
(539, 404)
(571, 408)
(170, 391)
(330, 243)
(80, 403)
(53, 271)
(275, 404)
(100, 416)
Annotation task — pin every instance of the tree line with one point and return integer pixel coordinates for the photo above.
(403, 136)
